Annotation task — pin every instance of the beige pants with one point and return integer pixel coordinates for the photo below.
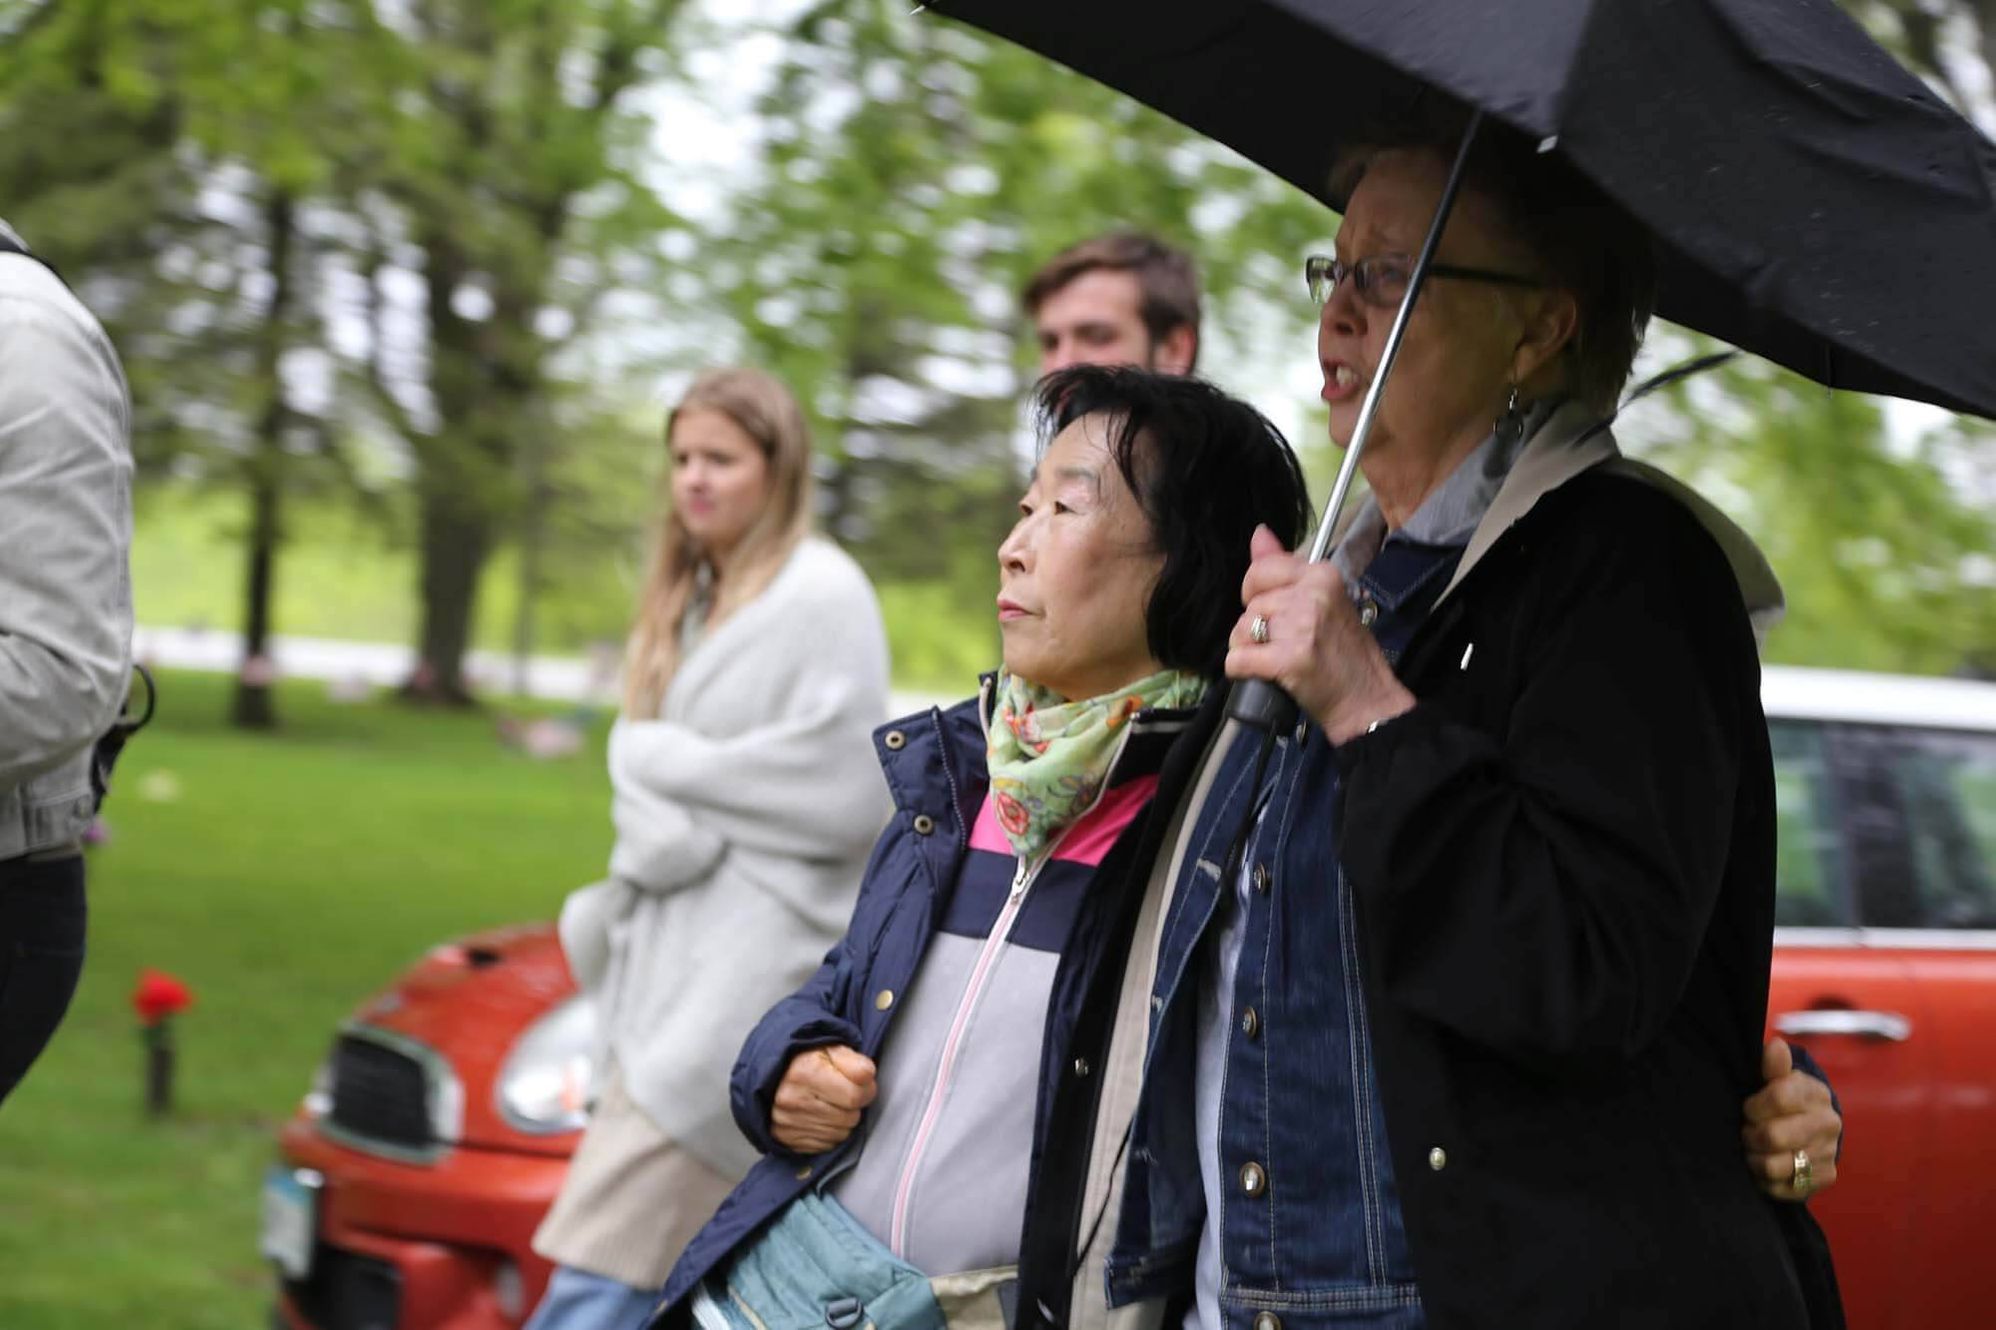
(633, 1198)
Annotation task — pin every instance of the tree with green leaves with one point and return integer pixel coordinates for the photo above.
(914, 173)
(504, 177)
(1879, 537)
(406, 213)
(174, 193)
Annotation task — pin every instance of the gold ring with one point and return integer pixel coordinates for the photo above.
(1258, 630)
(1805, 1174)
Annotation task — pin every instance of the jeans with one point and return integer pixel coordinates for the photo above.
(41, 956)
(578, 1300)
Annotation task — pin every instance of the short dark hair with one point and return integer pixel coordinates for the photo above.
(1166, 275)
(1206, 469)
(1584, 243)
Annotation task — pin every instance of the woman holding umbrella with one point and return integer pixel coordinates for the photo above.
(1519, 848)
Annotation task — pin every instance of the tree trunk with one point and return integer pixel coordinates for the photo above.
(532, 537)
(523, 615)
(458, 470)
(254, 707)
(456, 539)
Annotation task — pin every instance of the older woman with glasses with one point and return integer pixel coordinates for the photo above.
(1468, 971)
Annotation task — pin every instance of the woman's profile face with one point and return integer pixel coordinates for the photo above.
(720, 479)
(1076, 574)
(1461, 351)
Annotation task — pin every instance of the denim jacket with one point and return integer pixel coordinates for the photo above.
(65, 541)
(1312, 1232)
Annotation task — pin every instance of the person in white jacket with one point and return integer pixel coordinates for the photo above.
(65, 629)
(745, 800)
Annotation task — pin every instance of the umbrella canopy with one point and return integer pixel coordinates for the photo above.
(1812, 201)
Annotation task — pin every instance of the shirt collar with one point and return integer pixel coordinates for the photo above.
(1450, 513)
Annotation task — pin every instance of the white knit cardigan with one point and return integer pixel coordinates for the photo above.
(744, 815)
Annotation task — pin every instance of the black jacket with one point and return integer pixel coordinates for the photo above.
(1563, 859)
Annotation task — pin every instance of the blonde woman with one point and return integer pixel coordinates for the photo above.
(744, 801)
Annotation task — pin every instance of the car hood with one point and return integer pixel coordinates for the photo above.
(469, 1000)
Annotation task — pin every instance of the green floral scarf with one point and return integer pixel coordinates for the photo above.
(1048, 757)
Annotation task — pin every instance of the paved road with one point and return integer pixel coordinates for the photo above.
(384, 665)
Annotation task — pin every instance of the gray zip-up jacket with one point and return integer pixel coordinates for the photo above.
(65, 548)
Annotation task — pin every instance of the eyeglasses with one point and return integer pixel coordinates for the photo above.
(1381, 281)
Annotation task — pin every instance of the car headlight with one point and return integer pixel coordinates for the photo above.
(545, 1085)
(319, 1099)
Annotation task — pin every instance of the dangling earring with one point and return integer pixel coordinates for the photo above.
(1510, 426)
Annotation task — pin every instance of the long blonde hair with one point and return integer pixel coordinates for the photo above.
(768, 413)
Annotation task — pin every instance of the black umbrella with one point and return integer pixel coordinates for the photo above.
(1812, 201)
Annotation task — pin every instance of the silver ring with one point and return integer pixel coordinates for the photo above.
(1257, 630)
(1804, 1180)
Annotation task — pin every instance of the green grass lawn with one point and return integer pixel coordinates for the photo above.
(285, 878)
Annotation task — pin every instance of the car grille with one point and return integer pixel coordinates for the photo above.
(347, 1292)
(380, 1095)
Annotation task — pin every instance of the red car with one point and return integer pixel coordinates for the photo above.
(433, 1140)
(1885, 967)
(415, 1172)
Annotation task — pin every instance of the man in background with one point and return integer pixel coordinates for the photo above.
(1120, 298)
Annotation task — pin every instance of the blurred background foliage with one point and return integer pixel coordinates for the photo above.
(404, 288)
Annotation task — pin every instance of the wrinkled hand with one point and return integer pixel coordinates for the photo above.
(820, 1098)
(1316, 649)
(1791, 1112)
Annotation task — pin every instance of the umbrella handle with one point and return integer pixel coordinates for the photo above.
(1261, 705)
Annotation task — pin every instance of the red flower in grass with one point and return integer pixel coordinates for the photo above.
(158, 996)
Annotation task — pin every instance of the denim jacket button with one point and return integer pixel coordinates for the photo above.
(1081, 1067)
(883, 999)
(1438, 1159)
(1251, 1023)
(1260, 877)
(1267, 1321)
(895, 740)
(1368, 612)
(1254, 1181)
(924, 824)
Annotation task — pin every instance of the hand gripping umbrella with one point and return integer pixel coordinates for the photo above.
(1810, 200)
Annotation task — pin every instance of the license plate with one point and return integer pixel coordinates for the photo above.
(290, 1219)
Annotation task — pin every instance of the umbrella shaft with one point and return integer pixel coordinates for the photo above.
(1320, 547)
